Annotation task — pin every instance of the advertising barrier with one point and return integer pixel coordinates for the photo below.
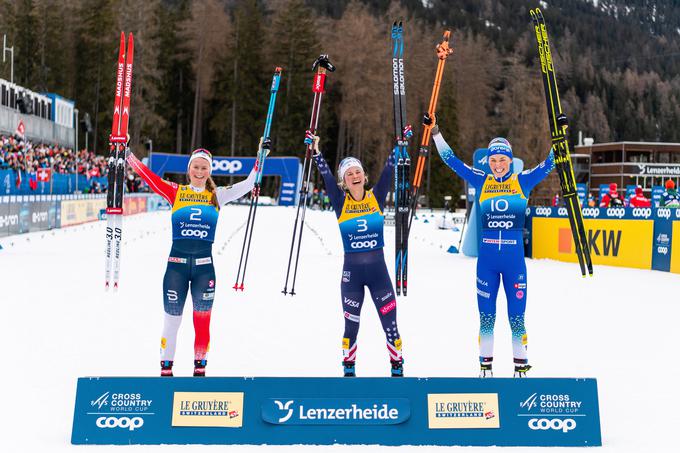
(24, 213)
(629, 237)
(325, 411)
(29, 213)
(11, 184)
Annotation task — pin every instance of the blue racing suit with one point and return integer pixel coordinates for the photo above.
(361, 226)
(503, 204)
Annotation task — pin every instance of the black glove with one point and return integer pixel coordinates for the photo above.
(267, 144)
(562, 120)
(432, 122)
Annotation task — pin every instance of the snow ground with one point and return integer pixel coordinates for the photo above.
(619, 327)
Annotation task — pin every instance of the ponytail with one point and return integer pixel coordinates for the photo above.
(210, 187)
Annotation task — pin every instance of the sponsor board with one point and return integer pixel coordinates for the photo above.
(328, 411)
(75, 212)
(626, 243)
(336, 411)
(675, 251)
(462, 410)
(216, 409)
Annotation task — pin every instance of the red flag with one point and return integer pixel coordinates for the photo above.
(32, 182)
(17, 181)
(44, 174)
(21, 129)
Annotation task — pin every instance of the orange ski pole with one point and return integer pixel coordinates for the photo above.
(443, 51)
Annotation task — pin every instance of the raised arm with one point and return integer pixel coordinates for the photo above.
(336, 195)
(471, 175)
(530, 178)
(230, 193)
(165, 189)
(383, 185)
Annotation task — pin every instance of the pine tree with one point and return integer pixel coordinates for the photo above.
(97, 50)
(297, 47)
(240, 85)
(176, 79)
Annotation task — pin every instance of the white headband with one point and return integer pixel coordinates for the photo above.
(200, 153)
(346, 164)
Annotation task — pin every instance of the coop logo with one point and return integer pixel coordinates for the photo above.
(557, 424)
(201, 234)
(8, 220)
(336, 411)
(120, 422)
(544, 211)
(591, 212)
(662, 243)
(550, 404)
(562, 212)
(616, 212)
(226, 165)
(502, 224)
(642, 212)
(662, 213)
(364, 244)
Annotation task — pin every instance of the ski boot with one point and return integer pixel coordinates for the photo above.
(485, 367)
(199, 367)
(521, 370)
(166, 368)
(397, 368)
(485, 370)
(349, 368)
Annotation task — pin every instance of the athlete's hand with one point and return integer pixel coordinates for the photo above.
(431, 121)
(313, 140)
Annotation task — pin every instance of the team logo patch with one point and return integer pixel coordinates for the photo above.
(164, 343)
(520, 285)
(174, 259)
(520, 294)
(388, 307)
(345, 343)
(201, 261)
(524, 339)
(345, 276)
(211, 283)
(397, 344)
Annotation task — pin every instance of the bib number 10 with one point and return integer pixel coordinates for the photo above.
(499, 205)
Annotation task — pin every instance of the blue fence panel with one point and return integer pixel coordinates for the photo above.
(324, 411)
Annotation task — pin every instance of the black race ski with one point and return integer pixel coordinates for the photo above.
(402, 168)
(558, 134)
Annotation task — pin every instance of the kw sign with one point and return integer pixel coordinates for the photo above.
(612, 242)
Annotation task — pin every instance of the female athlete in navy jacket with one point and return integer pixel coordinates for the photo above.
(503, 200)
(195, 209)
(360, 217)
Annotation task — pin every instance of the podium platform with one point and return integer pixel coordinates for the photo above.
(325, 411)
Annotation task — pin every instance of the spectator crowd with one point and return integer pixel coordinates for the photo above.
(25, 156)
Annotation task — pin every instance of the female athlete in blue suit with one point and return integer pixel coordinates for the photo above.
(503, 200)
(360, 217)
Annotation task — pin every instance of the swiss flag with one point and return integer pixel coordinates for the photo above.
(44, 174)
(21, 129)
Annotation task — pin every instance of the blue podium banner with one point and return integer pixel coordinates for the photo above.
(326, 411)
